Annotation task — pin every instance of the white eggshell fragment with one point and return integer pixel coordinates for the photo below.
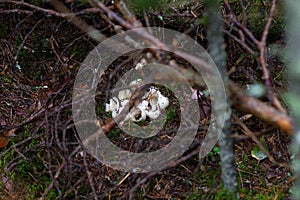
(124, 103)
(124, 94)
(152, 104)
(136, 82)
(163, 102)
(141, 64)
(152, 96)
(153, 114)
(153, 101)
(122, 106)
(113, 105)
(114, 113)
(143, 105)
(107, 107)
(137, 115)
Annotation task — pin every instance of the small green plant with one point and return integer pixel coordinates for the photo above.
(101, 110)
(115, 132)
(6, 157)
(194, 196)
(170, 113)
(7, 79)
(224, 194)
(214, 154)
(142, 5)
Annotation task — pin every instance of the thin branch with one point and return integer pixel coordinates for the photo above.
(248, 132)
(268, 23)
(153, 40)
(89, 174)
(249, 104)
(262, 60)
(233, 18)
(91, 31)
(19, 11)
(151, 174)
(46, 192)
(261, 45)
(25, 38)
(242, 43)
(46, 11)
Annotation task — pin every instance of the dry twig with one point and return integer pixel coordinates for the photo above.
(261, 45)
(249, 104)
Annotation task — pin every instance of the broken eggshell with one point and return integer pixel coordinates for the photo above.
(152, 105)
(140, 65)
(153, 113)
(124, 94)
(137, 114)
(163, 102)
(113, 105)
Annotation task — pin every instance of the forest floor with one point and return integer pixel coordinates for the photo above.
(40, 57)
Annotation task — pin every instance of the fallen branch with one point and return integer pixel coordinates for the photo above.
(249, 104)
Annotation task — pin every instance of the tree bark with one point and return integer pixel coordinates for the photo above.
(217, 51)
(293, 57)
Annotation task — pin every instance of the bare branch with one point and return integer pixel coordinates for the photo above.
(248, 104)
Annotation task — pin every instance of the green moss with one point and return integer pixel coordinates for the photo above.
(257, 11)
(171, 114)
(7, 79)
